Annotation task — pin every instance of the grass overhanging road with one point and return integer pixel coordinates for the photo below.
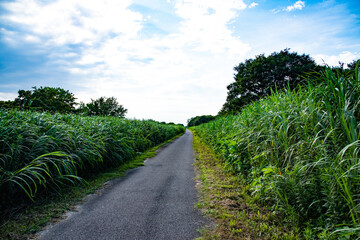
(152, 202)
(25, 223)
(225, 199)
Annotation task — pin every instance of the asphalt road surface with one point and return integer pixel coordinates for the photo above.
(152, 202)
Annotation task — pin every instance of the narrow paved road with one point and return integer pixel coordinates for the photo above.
(151, 202)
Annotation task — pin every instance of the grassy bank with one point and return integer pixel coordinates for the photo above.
(297, 152)
(225, 199)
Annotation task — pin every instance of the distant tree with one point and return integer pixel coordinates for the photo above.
(46, 99)
(7, 104)
(23, 101)
(81, 109)
(255, 78)
(105, 107)
(353, 64)
(343, 69)
(195, 121)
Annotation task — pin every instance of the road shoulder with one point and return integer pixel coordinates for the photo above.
(224, 199)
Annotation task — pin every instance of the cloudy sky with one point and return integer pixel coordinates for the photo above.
(166, 60)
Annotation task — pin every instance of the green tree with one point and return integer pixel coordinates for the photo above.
(7, 104)
(46, 99)
(195, 121)
(255, 78)
(23, 101)
(354, 64)
(105, 107)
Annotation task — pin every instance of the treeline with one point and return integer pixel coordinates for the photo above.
(257, 78)
(49, 99)
(195, 121)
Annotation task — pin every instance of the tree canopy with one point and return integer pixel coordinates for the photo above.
(59, 100)
(105, 107)
(354, 64)
(46, 99)
(195, 121)
(255, 78)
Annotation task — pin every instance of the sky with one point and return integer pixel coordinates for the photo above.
(166, 60)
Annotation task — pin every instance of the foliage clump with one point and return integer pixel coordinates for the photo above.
(195, 121)
(45, 99)
(255, 78)
(298, 151)
(103, 106)
(42, 152)
(58, 100)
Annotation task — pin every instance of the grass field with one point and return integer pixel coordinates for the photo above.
(41, 153)
(298, 153)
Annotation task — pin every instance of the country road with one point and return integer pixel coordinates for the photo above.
(152, 202)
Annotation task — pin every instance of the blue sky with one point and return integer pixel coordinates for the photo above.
(166, 60)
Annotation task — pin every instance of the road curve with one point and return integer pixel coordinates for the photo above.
(151, 202)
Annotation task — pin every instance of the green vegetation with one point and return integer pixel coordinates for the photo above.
(103, 107)
(224, 198)
(298, 153)
(32, 217)
(52, 100)
(255, 78)
(45, 99)
(40, 152)
(195, 121)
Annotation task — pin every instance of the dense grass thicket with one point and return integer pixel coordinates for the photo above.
(298, 152)
(40, 152)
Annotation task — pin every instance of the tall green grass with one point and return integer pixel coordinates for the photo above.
(298, 151)
(40, 152)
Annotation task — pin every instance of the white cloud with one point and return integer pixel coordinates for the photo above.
(209, 32)
(170, 77)
(4, 96)
(32, 39)
(74, 21)
(105, 47)
(299, 5)
(252, 5)
(333, 60)
(8, 36)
